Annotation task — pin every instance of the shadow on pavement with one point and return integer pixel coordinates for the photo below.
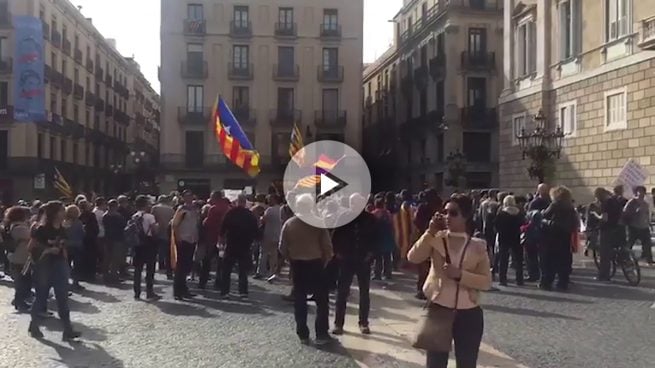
(230, 306)
(181, 309)
(80, 354)
(526, 312)
(88, 333)
(544, 297)
(77, 306)
(98, 295)
(380, 360)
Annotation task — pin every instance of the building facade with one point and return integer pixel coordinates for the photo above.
(275, 63)
(437, 90)
(88, 131)
(590, 67)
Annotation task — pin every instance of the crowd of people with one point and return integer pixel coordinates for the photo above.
(457, 247)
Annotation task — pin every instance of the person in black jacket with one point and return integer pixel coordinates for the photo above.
(508, 226)
(91, 231)
(239, 230)
(354, 248)
(559, 221)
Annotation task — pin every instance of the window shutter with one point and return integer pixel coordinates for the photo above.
(577, 26)
(532, 46)
(517, 53)
(562, 31)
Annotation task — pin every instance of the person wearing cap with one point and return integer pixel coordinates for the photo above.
(163, 213)
(186, 232)
(114, 224)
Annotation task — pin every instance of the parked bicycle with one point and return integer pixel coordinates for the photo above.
(621, 256)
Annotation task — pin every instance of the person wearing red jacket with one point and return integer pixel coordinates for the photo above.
(211, 227)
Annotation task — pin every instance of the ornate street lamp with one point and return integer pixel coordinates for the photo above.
(116, 168)
(540, 146)
(456, 164)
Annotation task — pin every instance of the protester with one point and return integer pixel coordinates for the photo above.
(271, 220)
(114, 224)
(16, 240)
(539, 203)
(612, 233)
(386, 240)
(145, 254)
(309, 250)
(51, 269)
(211, 226)
(508, 227)
(186, 223)
(424, 212)
(90, 249)
(239, 230)
(460, 270)
(163, 213)
(99, 211)
(636, 214)
(75, 244)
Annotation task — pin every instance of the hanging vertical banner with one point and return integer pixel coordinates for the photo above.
(29, 90)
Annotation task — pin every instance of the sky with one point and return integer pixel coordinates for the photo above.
(137, 31)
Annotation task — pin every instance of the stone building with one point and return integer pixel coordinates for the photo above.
(590, 66)
(433, 93)
(87, 131)
(275, 63)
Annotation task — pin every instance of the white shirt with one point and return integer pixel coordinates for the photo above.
(99, 214)
(149, 222)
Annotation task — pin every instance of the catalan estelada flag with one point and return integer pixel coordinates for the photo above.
(60, 183)
(310, 181)
(296, 146)
(233, 141)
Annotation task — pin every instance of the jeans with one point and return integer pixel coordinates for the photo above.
(183, 267)
(556, 260)
(503, 260)
(308, 278)
(164, 254)
(532, 261)
(610, 239)
(467, 335)
(383, 264)
(205, 267)
(643, 235)
(268, 259)
(145, 255)
(347, 272)
(52, 271)
(243, 262)
(22, 284)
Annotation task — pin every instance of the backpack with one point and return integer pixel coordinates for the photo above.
(134, 234)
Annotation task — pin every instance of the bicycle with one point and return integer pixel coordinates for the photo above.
(622, 256)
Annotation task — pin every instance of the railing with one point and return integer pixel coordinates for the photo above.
(192, 115)
(246, 116)
(330, 73)
(478, 60)
(330, 30)
(286, 72)
(330, 118)
(240, 29)
(55, 38)
(284, 117)
(66, 46)
(90, 99)
(78, 55)
(6, 66)
(240, 71)
(78, 92)
(195, 27)
(288, 29)
(194, 69)
(479, 117)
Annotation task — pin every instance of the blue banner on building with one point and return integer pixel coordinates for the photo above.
(29, 88)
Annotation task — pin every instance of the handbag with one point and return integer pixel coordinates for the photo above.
(436, 329)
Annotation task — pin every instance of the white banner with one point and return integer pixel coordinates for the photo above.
(632, 175)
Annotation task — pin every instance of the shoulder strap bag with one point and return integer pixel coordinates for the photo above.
(435, 332)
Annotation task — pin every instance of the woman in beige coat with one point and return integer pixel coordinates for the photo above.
(455, 283)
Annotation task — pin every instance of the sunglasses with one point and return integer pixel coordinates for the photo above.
(451, 213)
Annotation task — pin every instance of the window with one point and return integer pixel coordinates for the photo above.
(286, 60)
(76, 151)
(4, 148)
(285, 101)
(53, 148)
(4, 96)
(240, 97)
(615, 109)
(240, 56)
(567, 118)
(4, 48)
(518, 127)
(477, 4)
(440, 97)
(194, 12)
(194, 56)
(87, 118)
(526, 52)
(87, 154)
(64, 107)
(477, 41)
(330, 104)
(477, 90)
(424, 12)
(285, 16)
(77, 42)
(39, 145)
(617, 18)
(53, 103)
(280, 146)
(330, 19)
(76, 113)
(195, 148)
(53, 60)
(330, 58)
(195, 98)
(241, 18)
(63, 147)
(569, 28)
(76, 76)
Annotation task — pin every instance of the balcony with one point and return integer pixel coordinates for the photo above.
(421, 75)
(286, 73)
(90, 67)
(286, 30)
(109, 110)
(6, 66)
(46, 30)
(241, 29)
(67, 86)
(438, 67)
(55, 38)
(193, 115)
(330, 73)
(240, 71)
(194, 69)
(78, 92)
(195, 27)
(330, 119)
(66, 46)
(100, 104)
(99, 72)
(485, 61)
(90, 99)
(647, 34)
(77, 55)
(246, 117)
(330, 31)
(475, 117)
(284, 117)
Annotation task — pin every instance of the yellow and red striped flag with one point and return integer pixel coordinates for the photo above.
(296, 145)
(233, 141)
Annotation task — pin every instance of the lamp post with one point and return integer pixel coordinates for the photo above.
(541, 146)
(456, 164)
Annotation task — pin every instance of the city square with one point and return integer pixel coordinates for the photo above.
(480, 167)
